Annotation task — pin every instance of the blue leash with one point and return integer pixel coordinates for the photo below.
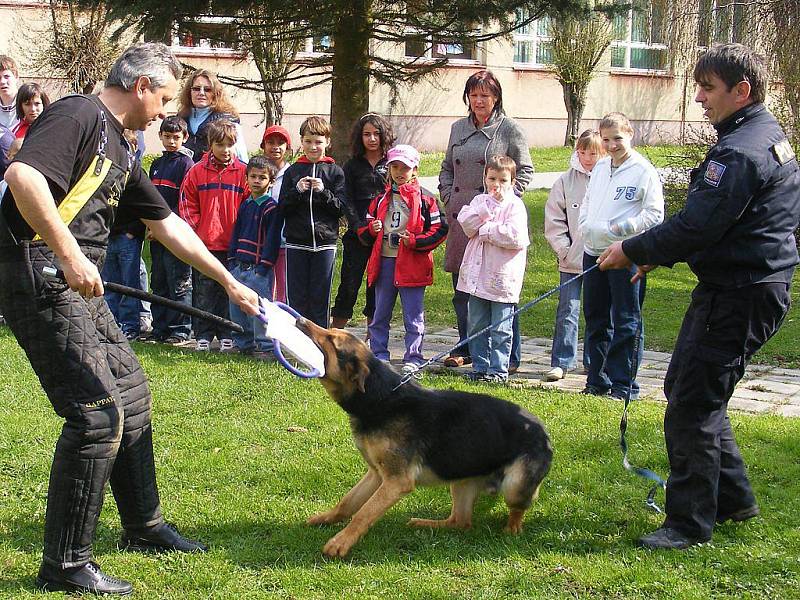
(623, 426)
(522, 308)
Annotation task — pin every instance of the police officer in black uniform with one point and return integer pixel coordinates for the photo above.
(73, 177)
(736, 234)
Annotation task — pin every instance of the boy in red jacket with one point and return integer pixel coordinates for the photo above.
(403, 227)
(211, 194)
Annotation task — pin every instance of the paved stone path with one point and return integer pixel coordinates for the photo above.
(764, 389)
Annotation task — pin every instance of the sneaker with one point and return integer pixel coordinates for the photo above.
(496, 378)
(203, 345)
(554, 374)
(412, 369)
(132, 335)
(226, 345)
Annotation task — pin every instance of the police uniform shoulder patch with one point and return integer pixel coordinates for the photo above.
(783, 152)
(714, 172)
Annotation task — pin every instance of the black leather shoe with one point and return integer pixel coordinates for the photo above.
(666, 538)
(88, 579)
(160, 538)
(740, 515)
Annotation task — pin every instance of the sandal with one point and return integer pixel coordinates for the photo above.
(457, 361)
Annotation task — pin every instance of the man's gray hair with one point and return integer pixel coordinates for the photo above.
(151, 59)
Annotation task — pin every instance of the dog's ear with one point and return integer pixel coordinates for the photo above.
(358, 372)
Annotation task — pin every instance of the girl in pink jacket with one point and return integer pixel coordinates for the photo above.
(493, 267)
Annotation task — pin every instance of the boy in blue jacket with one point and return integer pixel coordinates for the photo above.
(170, 277)
(253, 251)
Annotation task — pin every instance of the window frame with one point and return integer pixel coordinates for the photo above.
(428, 40)
(629, 45)
(537, 39)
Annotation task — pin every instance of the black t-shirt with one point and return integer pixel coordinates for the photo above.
(62, 143)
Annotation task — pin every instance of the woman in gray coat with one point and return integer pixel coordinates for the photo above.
(484, 132)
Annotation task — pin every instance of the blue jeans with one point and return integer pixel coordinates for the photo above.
(170, 278)
(122, 266)
(461, 308)
(565, 336)
(490, 351)
(261, 283)
(612, 308)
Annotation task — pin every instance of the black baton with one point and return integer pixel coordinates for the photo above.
(125, 290)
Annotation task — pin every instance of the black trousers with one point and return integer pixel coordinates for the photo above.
(309, 276)
(355, 256)
(95, 383)
(721, 331)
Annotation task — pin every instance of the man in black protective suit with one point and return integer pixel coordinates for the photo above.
(736, 234)
(73, 177)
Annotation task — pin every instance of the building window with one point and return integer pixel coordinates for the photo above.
(639, 40)
(721, 21)
(532, 41)
(206, 33)
(319, 44)
(425, 46)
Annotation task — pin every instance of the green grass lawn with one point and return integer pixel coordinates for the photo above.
(245, 453)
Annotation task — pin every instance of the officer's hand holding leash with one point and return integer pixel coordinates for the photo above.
(614, 258)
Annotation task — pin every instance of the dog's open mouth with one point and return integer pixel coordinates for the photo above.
(302, 325)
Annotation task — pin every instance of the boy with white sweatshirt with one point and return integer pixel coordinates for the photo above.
(624, 198)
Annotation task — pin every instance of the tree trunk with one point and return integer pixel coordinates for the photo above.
(272, 105)
(575, 103)
(350, 84)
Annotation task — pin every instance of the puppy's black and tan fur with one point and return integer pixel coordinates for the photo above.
(418, 436)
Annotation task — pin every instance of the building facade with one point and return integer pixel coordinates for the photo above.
(636, 75)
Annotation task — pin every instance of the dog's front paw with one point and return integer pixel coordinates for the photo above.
(323, 518)
(338, 546)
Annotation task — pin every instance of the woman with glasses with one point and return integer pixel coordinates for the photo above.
(202, 101)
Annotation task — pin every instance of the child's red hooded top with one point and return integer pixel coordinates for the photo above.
(425, 228)
(210, 197)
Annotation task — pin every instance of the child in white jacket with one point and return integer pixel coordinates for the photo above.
(561, 215)
(493, 267)
(624, 198)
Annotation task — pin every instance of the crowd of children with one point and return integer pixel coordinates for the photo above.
(276, 224)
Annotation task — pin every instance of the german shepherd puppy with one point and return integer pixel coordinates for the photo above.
(417, 436)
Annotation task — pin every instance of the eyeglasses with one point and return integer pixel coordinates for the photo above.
(202, 88)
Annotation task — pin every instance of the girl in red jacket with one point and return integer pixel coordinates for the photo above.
(403, 227)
